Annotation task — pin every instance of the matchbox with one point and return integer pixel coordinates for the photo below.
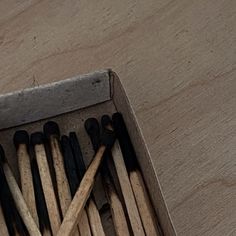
(70, 102)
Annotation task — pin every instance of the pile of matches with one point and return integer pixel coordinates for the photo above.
(54, 196)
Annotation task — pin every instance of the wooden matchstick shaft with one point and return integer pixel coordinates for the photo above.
(48, 190)
(132, 209)
(47, 233)
(95, 219)
(73, 179)
(142, 198)
(118, 216)
(40, 201)
(52, 132)
(83, 225)
(144, 205)
(26, 180)
(92, 210)
(62, 182)
(77, 205)
(20, 202)
(13, 221)
(3, 226)
(127, 191)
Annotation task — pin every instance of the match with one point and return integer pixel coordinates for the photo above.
(14, 224)
(73, 179)
(129, 199)
(37, 141)
(118, 215)
(44, 222)
(82, 194)
(52, 133)
(17, 196)
(145, 207)
(92, 210)
(21, 141)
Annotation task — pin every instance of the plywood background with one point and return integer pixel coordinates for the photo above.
(177, 61)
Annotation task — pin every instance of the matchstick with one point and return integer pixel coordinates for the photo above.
(145, 207)
(93, 213)
(118, 215)
(13, 221)
(3, 226)
(82, 194)
(18, 198)
(21, 141)
(73, 179)
(94, 218)
(130, 202)
(52, 132)
(37, 141)
(44, 222)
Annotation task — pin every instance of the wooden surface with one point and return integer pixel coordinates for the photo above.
(177, 61)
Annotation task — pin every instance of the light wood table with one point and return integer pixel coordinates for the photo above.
(177, 60)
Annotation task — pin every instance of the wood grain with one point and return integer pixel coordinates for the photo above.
(94, 219)
(117, 211)
(26, 180)
(21, 205)
(61, 179)
(62, 182)
(177, 62)
(80, 198)
(127, 191)
(146, 211)
(50, 197)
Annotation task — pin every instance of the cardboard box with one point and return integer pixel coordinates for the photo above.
(70, 102)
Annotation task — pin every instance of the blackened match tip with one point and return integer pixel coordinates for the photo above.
(91, 126)
(65, 143)
(117, 116)
(21, 137)
(37, 138)
(64, 139)
(51, 128)
(2, 154)
(106, 121)
(72, 135)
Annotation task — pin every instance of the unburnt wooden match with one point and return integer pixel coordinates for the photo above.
(14, 224)
(73, 179)
(21, 141)
(130, 202)
(18, 198)
(118, 215)
(42, 211)
(92, 210)
(52, 133)
(145, 207)
(37, 141)
(82, 194)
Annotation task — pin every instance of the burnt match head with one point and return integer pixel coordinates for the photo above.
(51, 128)
(106, 121)
(21, 137)
(108, 135)
(125, 141)
(93, 130)
(92, 126)
(2, 154)
(37, 138)
(117, 118)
